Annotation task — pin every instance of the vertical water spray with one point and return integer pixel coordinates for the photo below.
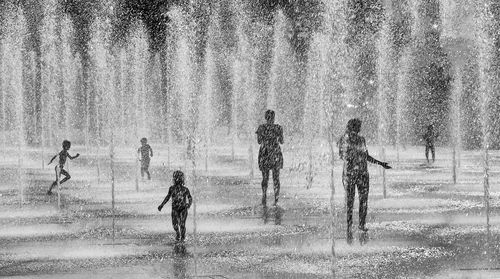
(48, 50)
(138, 59)
(112, 167)
(281, 52)
(404, 83)
(485, 50)
(208, 92)
(12, 72)
(183, 85)
(337, 81)
(101, 84)
(251, 104)
(315, 92)
(3, 85)
(386, 81)
(68, 69)
(121, 81)
(456, 119)
(241, 71)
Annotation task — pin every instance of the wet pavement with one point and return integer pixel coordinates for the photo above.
(427, 227)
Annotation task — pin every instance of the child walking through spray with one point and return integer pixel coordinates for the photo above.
(66, 145)
(146, 152)
(181, 202)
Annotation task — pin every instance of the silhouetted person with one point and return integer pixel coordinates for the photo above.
(270, 136)
(429, 138)
(145, 151)
(66, 145)
(353, 151)
(181, 202)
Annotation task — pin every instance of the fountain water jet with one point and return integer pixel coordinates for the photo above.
(338, 75)
(485, 49)
(208, 91)
(12, 84)
(280, 63)
(456, 119)
(251, 121)
(315, 91)
(49, 66)
(69, 65)
(386, 81)
(4, 99)
(242, 73)
(138, 59)
(183, 84)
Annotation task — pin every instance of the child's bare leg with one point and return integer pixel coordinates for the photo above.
(175, 223)
(66, 176)
(49, 192)
(183, 217)
(149, 175)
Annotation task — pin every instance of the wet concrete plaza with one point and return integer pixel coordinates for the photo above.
(427, 227)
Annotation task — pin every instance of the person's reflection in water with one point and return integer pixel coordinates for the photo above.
(278, 214)
(363, 238)
(180, 256)
(265, 214)
(276, 211)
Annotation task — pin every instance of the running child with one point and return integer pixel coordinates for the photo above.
(145, 151)
(66, 145)
(181, 202)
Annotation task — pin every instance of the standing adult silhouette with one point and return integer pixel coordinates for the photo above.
(270, 136)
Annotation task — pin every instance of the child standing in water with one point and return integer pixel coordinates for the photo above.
(66, 145)
(181, 202)
(145, 151)
(429, 138)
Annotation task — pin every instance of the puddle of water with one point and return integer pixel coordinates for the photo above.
(204, 225)
(63, 250)
(34, 230)
(9, 212)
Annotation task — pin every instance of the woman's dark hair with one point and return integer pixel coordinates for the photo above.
(354, 125)
(144, 140)
(178, 178)
(269, 115)
(66, 144)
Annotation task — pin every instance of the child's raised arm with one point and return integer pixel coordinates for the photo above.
(165, 200)
(74, 157)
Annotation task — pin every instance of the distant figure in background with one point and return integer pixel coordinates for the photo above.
(145, 151)
(66, 145)
(353, 151)
(181, 202)
(270, 136)
(429, 138)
